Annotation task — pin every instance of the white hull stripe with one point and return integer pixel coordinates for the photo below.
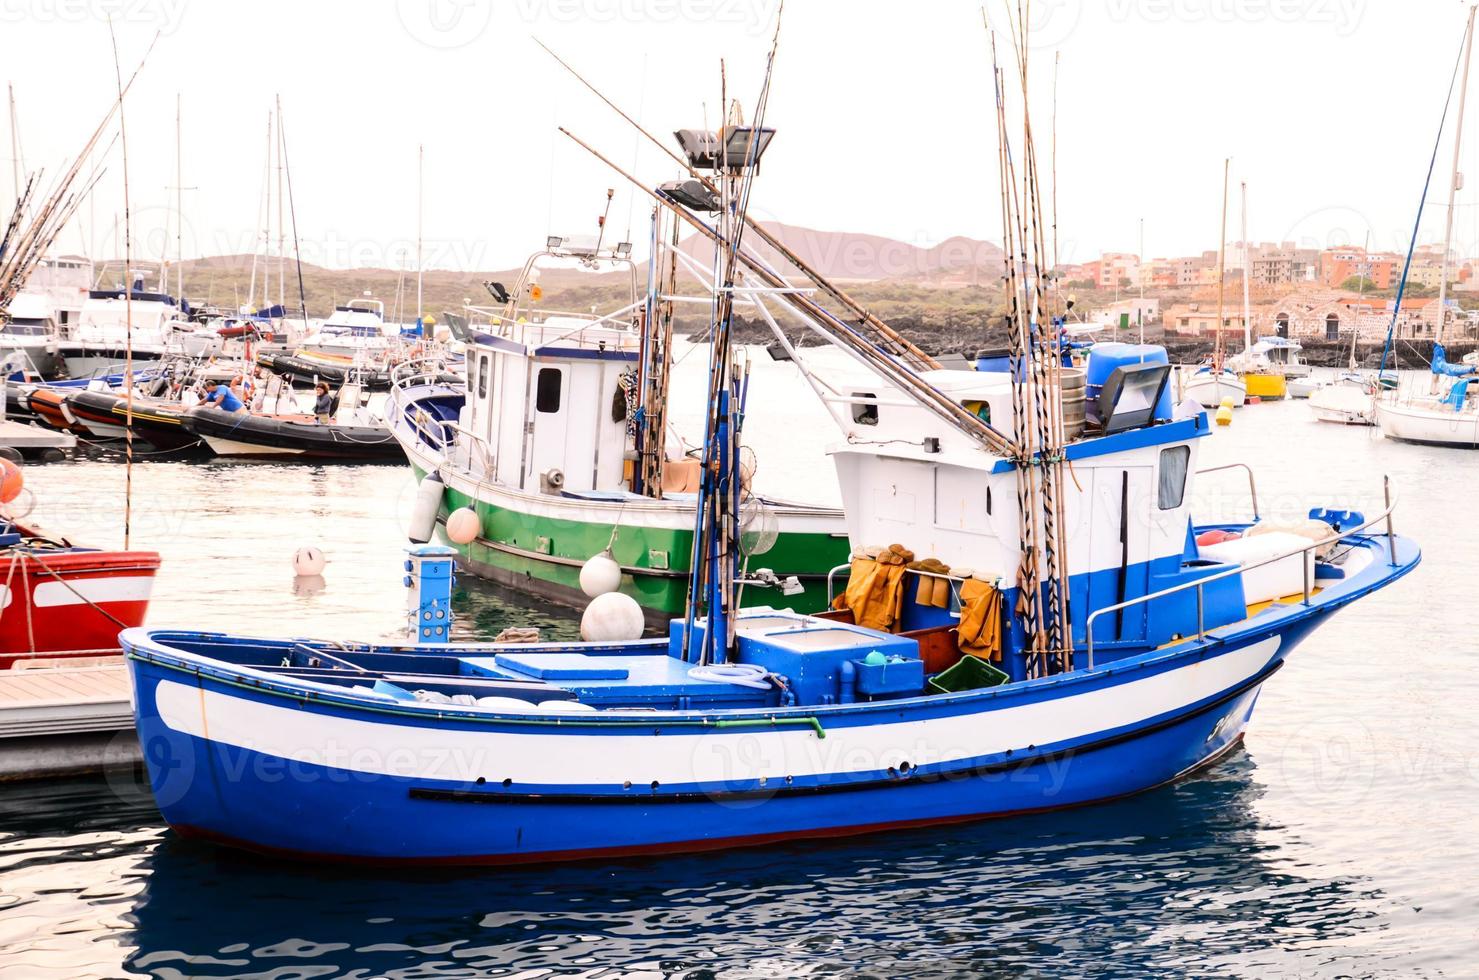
(231, 447)
(120, 588)
(605, 759)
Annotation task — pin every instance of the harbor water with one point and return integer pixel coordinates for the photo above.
(1341, 840)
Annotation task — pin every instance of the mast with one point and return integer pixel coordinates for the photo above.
(1221, 274)
(1247, 266)
(420, 200)
(261, 213)
(1454, 180)
(179, 209)
(282, 278)
(15, 143)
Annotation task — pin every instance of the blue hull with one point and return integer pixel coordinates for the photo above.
(275, 804)
(276, 763)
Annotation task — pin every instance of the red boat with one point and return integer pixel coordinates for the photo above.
(59, 600)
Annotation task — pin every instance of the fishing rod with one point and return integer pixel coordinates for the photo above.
(947, 409)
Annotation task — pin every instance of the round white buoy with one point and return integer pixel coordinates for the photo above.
(309, 561)
(463, 525)
(600, 575)
(610, 618)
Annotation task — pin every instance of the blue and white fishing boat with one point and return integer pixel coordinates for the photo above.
(1076, 634)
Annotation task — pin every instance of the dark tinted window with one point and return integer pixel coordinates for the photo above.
(547, 390)
(483, 375)
(1172, 487)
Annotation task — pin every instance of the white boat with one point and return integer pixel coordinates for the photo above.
(118, 323)
(1348, 400)
(1450, 419)
(355, 329)
(1447, 414)
(29, 336)
(1300, 387)
(1208, 389)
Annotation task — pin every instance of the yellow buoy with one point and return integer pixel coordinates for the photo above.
(1224, 414)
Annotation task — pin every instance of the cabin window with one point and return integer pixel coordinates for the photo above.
(1174, 461)
(864, 413)
(547, 390)
(483, 375)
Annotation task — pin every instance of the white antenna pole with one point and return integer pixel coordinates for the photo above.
(1140, 274)
(420, 187)
(179, 208)
(282, 276)
(1454, 181)
(1247, 268)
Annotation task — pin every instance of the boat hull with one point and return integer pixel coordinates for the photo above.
(1428, 424)
(1265, 386)
(242, 435)
(1209, 392)
(64, 604)
(539, 544)
(311, 783)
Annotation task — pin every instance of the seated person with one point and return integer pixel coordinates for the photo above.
(222, 397)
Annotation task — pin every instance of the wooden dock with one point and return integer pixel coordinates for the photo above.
(66, 720)
(30, 440)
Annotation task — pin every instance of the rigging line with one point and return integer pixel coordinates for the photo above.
(128, 316)
(1422, 203)
(287, 169)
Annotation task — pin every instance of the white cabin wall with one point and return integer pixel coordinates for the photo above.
(936, 507)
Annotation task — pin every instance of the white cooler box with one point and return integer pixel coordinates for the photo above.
(1274, 580)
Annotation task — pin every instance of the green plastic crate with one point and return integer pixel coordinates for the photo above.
(968, 674)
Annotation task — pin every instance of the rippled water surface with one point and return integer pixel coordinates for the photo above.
(1341, 841)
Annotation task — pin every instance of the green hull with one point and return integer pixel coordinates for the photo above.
(544, 556)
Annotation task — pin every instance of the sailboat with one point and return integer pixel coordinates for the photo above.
(1254, 366)
(1448, 414)
(1214, 383)
(1074, 640)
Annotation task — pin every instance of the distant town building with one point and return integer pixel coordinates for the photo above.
(1114, 269)
(1339, 264)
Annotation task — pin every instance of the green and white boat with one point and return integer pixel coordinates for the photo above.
(556, 441)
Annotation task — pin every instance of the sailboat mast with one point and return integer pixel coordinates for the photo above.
(1247, 265)
(1454, 180)
(1221, 273)
(179, 208)
(282, 258)
(420, 202)
(15, 144)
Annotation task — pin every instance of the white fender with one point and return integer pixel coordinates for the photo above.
(424, 511)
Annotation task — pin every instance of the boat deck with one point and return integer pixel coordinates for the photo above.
(66, 720)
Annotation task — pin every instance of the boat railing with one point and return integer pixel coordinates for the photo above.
(1201, 583)
(1252, 483)
(616, 319)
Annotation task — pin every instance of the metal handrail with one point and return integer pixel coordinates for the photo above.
(1385, 515)
(1252, 484)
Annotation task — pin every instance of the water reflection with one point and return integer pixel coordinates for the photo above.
(1148, 886)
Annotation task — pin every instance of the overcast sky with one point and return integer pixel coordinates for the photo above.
(1328, 108)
